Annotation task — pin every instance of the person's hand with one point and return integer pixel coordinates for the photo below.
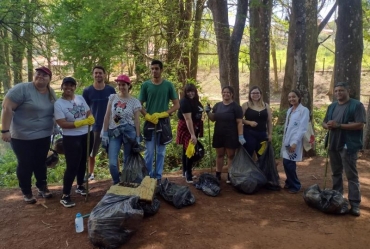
(208, 108)
(241, 139)
(105, 139)
(193, 139)
(269, 137)
(292, 148)
(151, 118)
(138, 139)
(79, 123)
(253, 123)
(6, 137)
(90, 120)
(331, 124)
(190, 150)
(161, 114)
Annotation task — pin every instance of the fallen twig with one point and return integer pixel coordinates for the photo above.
(67, 242)
(42, 204)
(314, 177)
(46, 223)
(153, 232)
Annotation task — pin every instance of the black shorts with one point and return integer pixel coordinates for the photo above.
(226, 139)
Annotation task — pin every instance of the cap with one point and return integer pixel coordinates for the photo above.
(69, 79)
(45, 70)
(123, 78)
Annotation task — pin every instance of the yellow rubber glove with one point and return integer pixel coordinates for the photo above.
(263, 148)
(90, 120)
(161, 114)
(151, 118)
(79, 123)
(190, 151)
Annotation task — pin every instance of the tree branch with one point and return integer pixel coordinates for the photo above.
(327, 18)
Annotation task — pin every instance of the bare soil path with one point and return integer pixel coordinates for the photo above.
(267, 219)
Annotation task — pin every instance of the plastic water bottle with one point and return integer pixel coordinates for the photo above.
(79, 222)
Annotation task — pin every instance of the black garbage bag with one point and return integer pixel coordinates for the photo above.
(135, 170)
(244, 173)
(327, 201)
(209, 184)
(150, 209)
(180, 196)
(266, 163)
(114, 220)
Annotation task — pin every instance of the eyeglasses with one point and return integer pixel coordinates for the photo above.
(255, 93)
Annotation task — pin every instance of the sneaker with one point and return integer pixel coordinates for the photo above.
(189, 179)
(286, 186)
(194, 177)
(228, 179)
(294, 191)
(91, 177)
(45, 192)
(30, 199)
(66, 201)
(81, 190)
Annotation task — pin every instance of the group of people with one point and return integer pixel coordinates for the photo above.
(31, 113)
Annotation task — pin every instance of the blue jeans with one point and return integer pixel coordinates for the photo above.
(149, 154)
(115, 144)
(292, 181)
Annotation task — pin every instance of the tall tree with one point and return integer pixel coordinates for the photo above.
(260, 21)
(228, 47)
(349, 45)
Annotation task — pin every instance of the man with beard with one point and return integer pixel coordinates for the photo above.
(156, 93)
(345, 119)
(96, 97)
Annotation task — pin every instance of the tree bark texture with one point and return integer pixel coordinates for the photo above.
(300, 51)
(274, 63)
(235, 39)
(288, 83)
(260, 21)
(221, 25)
(349, 45)
(5, 76)
(194, 54)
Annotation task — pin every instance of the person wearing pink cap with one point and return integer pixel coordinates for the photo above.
(121, 125)
(27, 120)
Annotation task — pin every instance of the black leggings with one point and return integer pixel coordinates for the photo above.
(75, 154)
(187, 163)
(31, 156)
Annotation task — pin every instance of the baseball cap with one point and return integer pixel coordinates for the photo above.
(45, 70)
(69, 79)
(123, 78)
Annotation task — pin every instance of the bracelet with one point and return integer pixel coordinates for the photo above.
(4, 131)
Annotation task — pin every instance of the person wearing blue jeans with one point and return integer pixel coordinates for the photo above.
(121, 125)
(156, 93)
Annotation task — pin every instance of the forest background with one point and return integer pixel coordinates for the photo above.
(278, 45)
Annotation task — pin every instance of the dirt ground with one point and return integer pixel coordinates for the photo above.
(267, 219)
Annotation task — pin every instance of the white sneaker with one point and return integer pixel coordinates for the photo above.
(91, 177)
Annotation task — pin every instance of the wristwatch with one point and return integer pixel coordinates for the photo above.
(4, 131)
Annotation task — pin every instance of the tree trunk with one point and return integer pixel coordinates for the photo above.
(288, 83)
(194, 54)
(260, 20)
(221, 25)
(235, 39)
(349, 45)
(274, 63)
(5, 76)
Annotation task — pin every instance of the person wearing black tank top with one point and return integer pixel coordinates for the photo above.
(257, 121)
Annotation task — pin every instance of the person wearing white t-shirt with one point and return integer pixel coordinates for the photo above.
(73, 115)
(121, 125)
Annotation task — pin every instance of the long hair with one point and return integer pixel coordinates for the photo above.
(191, 87)
(298, 93)
(260, 101)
